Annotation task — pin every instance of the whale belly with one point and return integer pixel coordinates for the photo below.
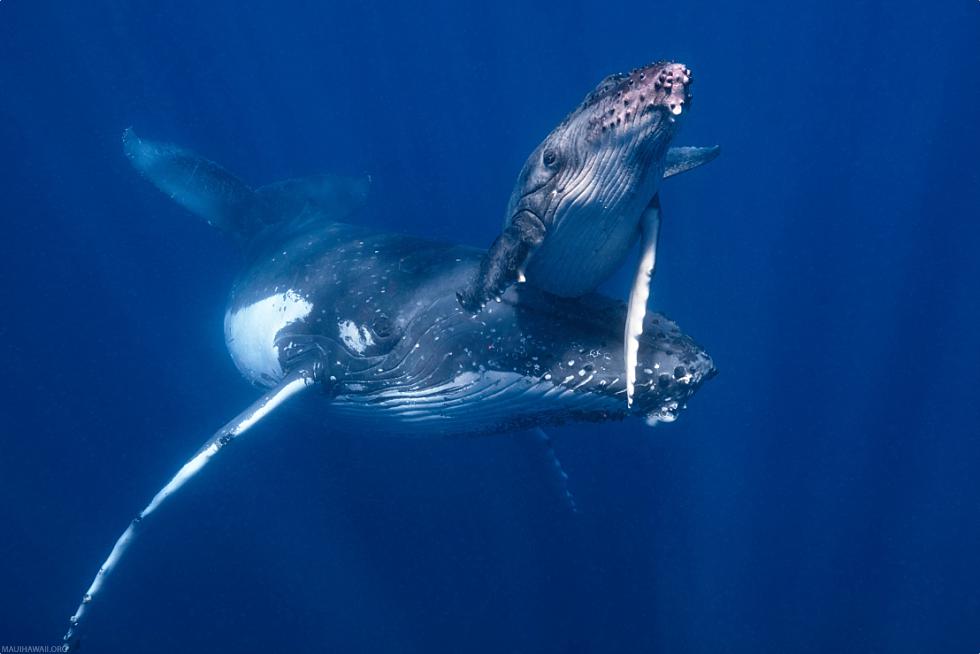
(580, 253)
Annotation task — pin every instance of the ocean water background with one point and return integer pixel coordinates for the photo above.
(821, 494)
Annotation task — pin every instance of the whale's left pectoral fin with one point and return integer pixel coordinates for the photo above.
(640, 292)
(680, 160)
(291, 385)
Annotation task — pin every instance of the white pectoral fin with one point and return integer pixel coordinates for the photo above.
(640, 292)
(291, 385)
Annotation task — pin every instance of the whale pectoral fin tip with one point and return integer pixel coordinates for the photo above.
(470, 301)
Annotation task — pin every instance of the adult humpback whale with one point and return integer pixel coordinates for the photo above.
(370, 322)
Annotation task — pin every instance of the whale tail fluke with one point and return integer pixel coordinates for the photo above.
(201, 186)
(291, 385)
(223, 200)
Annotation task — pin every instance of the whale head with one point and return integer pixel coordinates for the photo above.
(609, 149)
(589, 181)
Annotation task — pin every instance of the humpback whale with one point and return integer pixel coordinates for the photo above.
(369, 322)
(589, 191)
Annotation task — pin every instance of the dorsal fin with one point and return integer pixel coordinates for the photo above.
(207, 190)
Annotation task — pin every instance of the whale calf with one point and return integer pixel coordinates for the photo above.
(370, 323)
(589, 191)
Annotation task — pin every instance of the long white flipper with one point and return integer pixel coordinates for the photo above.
(292, 384)
(640, 293)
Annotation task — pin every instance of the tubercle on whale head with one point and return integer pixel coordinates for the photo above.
(576, 347)
(620, 99)
(671, 366)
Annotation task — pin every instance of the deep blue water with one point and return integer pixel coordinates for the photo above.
(822, 494)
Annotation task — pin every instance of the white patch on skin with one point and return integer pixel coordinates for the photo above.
(639, 295)
(667, 413)
(356, 338)
(250, 333)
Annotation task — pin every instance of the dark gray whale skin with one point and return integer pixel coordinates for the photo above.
(391, 344)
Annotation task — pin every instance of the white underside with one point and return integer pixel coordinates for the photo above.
(580, 253)
(250, 334)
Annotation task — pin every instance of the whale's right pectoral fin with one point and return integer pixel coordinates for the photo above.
(294, 383)
(504, 262)
(681, 160)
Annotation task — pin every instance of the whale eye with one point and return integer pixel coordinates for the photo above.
(550, 157)
(383, 326)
